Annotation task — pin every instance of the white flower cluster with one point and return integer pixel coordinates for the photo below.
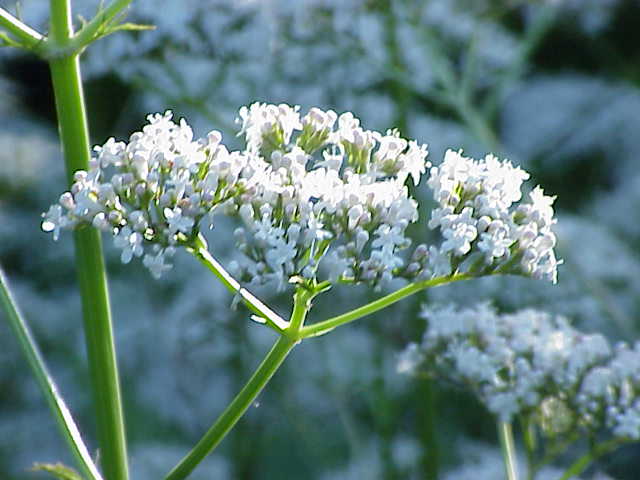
(531, 362)
(318, 195)
(483, 230)
(610, 393)
(152, 192)
(324, 191)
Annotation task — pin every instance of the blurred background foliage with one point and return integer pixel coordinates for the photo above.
(552, 85)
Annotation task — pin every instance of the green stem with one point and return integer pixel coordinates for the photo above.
(530, 443)
(554, 451)
(253, 303)
(301, 306)
(59, 409)
(234, 411)
(246, 396)
(583, 462)
(505, 432)
(18, 29)
(326, 326)
(103, 371)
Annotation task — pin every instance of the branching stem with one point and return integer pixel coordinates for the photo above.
(247, 395)
(94, 29)
(254, 304)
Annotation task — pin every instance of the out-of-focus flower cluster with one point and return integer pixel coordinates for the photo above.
(530, 362)
(152, 192)
(22, 157)
(482, 228)
(482, 462)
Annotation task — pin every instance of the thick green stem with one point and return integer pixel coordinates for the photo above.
(25, 34)
(59, 409)
(103, 369)
(326, 326)
(74, 136)
(505, 432)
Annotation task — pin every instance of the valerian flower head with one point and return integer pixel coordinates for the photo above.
(533, 363)
(152, 192)
(323, 199)
(485, 225)
(320, 199)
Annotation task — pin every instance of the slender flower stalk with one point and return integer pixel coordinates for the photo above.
(583, 462)
(263, 313)
(505, 432)
(27, 35)
(59, 409)
(65, 74)
(530, 444)
(326, 326)
(247, 395)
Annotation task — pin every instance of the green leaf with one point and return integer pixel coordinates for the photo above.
(58, 470)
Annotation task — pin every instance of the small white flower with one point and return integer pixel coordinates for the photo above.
(263, 121)
(413, 162)
(130, 242)
(320, 120)
(111, 153)
(53, 221)
(177, 221)
(156, 264)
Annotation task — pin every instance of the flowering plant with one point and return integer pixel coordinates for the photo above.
(318, 201)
